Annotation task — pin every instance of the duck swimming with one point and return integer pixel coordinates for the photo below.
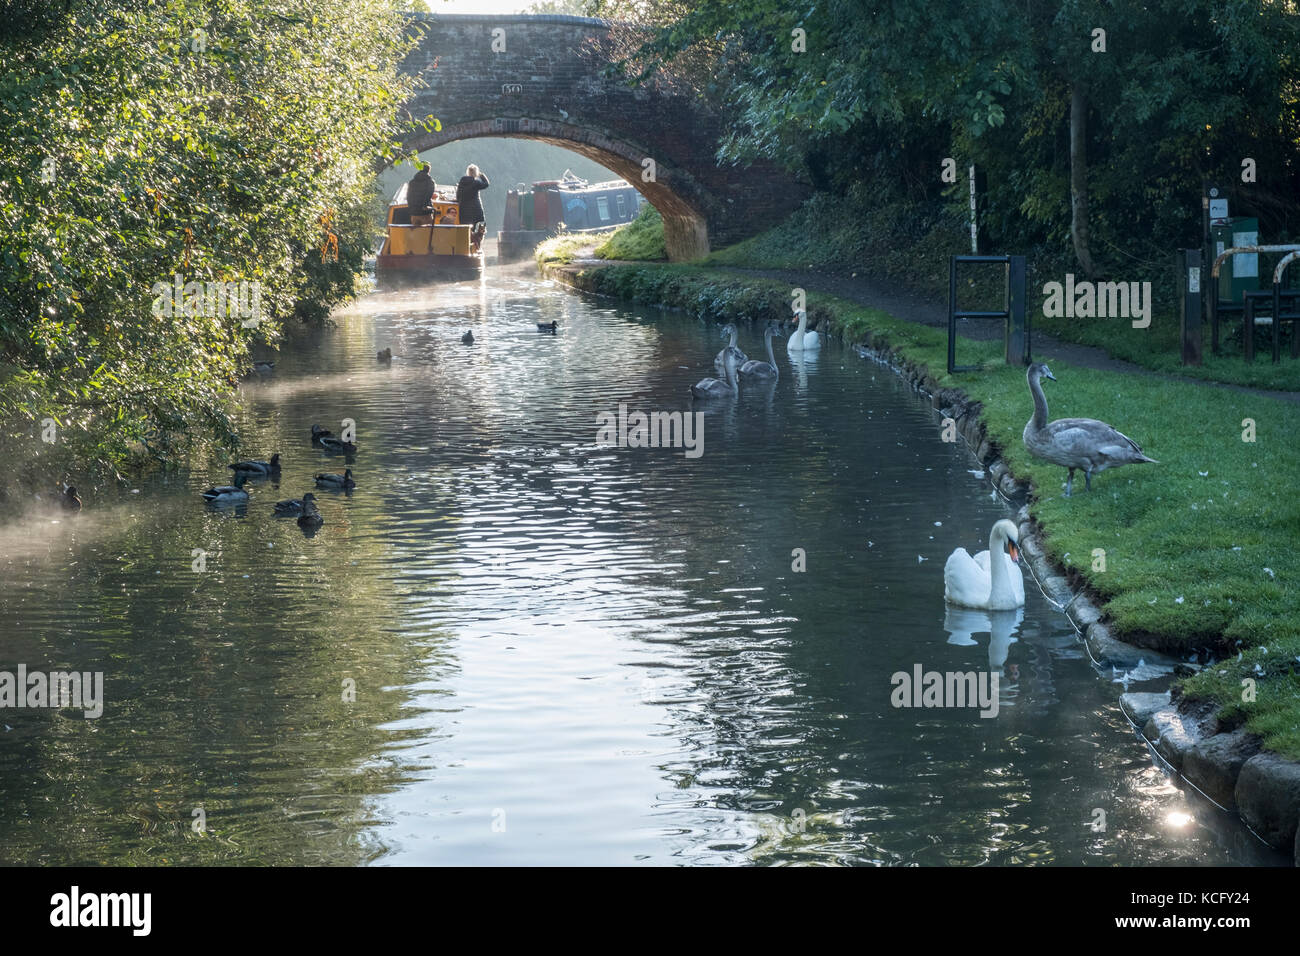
(343, 481)
(257, 468)
(467, 338)
(1075, 443)
(385, 356)
(548, 327)
(289, 508)
(228, 494)
(992, 580)
(310, 517)
(69, 500)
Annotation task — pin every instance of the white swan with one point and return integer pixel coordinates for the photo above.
(767, 371)
(991, 580)
(802, 340)
(737, 356)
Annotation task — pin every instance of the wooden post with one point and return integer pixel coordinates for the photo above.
(1017, 335)
(1189, 284)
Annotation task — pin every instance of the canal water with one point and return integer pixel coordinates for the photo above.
(514, 644)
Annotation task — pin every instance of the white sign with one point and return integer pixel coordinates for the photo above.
(1194, 280)
(1218, 209)
(1245, 266)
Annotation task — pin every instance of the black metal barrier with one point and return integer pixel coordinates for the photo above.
(1013, 314)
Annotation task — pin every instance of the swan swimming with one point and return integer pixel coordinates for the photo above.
(1082, 443)
(763, 370)
(737, 356)
(971, 582)
(801, 340)
(712, 388)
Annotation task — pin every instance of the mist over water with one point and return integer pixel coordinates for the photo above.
(562, 652)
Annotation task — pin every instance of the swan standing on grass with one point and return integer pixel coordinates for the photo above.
(737, 356)
(802, 340)
(1082, 443)
(767, 371)
(992, 580)
(712, 388)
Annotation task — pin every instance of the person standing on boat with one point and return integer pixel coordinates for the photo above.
(419, 197)
(471, 210)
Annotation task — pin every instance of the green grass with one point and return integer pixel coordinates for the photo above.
(640, 240)
(1201, 526)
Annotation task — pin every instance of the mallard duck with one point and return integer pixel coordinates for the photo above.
(317, 433)
(467, 338)
(385, 356)
(310, 517)
(228, 493)
(548, 327)
(69, 499)
(264, 368)
(255, 468)
(289, 508)
(330, 443)
(1075, 443)
(343, 481)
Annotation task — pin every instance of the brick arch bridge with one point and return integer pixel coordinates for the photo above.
(548, 84)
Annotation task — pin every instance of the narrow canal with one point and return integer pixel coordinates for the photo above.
(561, 651)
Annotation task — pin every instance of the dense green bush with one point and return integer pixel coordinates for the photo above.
(211, 140)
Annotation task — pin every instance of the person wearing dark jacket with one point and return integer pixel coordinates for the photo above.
(419, 197)
(471, 209)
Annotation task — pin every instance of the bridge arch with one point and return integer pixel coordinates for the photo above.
(544, 77)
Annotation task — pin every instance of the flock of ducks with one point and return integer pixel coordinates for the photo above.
(304, 508)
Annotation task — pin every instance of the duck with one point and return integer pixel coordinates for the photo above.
(713, 388)
(343, 481)
(1075, 443)
(801, 340)
(310, 517)
(330, 443)
(737, 356)
(228, 494)
(992, 580)
(385, 356)
(317, 433)
(467, 338)
(69, 500)
(289, 508)
(264, 368)
(756, 368)
(548, 327)
(255, 468)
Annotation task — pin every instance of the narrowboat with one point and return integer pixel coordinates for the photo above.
(426, 253)
(568, 204)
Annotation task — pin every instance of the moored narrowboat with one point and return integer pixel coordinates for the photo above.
(570, 204)
(442, 251)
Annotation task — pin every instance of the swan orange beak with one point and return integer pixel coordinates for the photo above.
(1013, 551)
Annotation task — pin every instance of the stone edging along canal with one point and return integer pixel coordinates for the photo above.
(1225, 766)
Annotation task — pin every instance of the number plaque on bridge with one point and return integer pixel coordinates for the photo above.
(508, 88)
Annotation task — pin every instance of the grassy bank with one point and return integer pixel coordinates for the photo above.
(641, 240)
(1199, 553)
